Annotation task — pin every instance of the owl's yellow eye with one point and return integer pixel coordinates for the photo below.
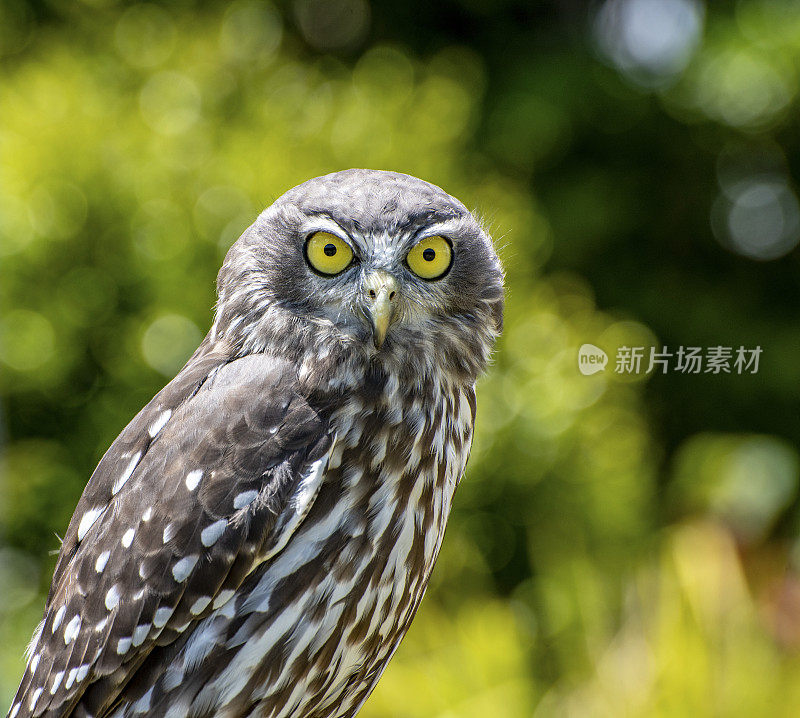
(327, 253)
(431, 257)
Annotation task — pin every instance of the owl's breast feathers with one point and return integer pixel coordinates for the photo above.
(245, 545)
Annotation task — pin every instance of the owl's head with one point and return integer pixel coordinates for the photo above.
(371, 265)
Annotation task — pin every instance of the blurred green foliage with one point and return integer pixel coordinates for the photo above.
(622, 545)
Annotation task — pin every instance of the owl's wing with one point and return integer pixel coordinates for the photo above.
(185, 503)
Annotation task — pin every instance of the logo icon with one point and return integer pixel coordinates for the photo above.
(591, 359)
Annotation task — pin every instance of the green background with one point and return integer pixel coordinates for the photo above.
(623, 544)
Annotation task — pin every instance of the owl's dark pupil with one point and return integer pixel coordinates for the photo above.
(329, 249)
(429, 254)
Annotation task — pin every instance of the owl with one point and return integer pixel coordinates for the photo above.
(257, 540)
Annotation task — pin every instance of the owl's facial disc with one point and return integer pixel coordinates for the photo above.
(381, 290)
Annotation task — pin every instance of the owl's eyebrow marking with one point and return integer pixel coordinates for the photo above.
(326, 223)
(450, 227)
(427, 217)
(326, 215)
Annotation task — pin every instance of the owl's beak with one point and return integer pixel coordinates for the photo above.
(380, 289)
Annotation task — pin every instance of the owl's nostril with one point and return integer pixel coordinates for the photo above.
(373, 294)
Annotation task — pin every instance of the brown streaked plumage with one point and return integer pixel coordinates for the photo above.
(257, 540)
